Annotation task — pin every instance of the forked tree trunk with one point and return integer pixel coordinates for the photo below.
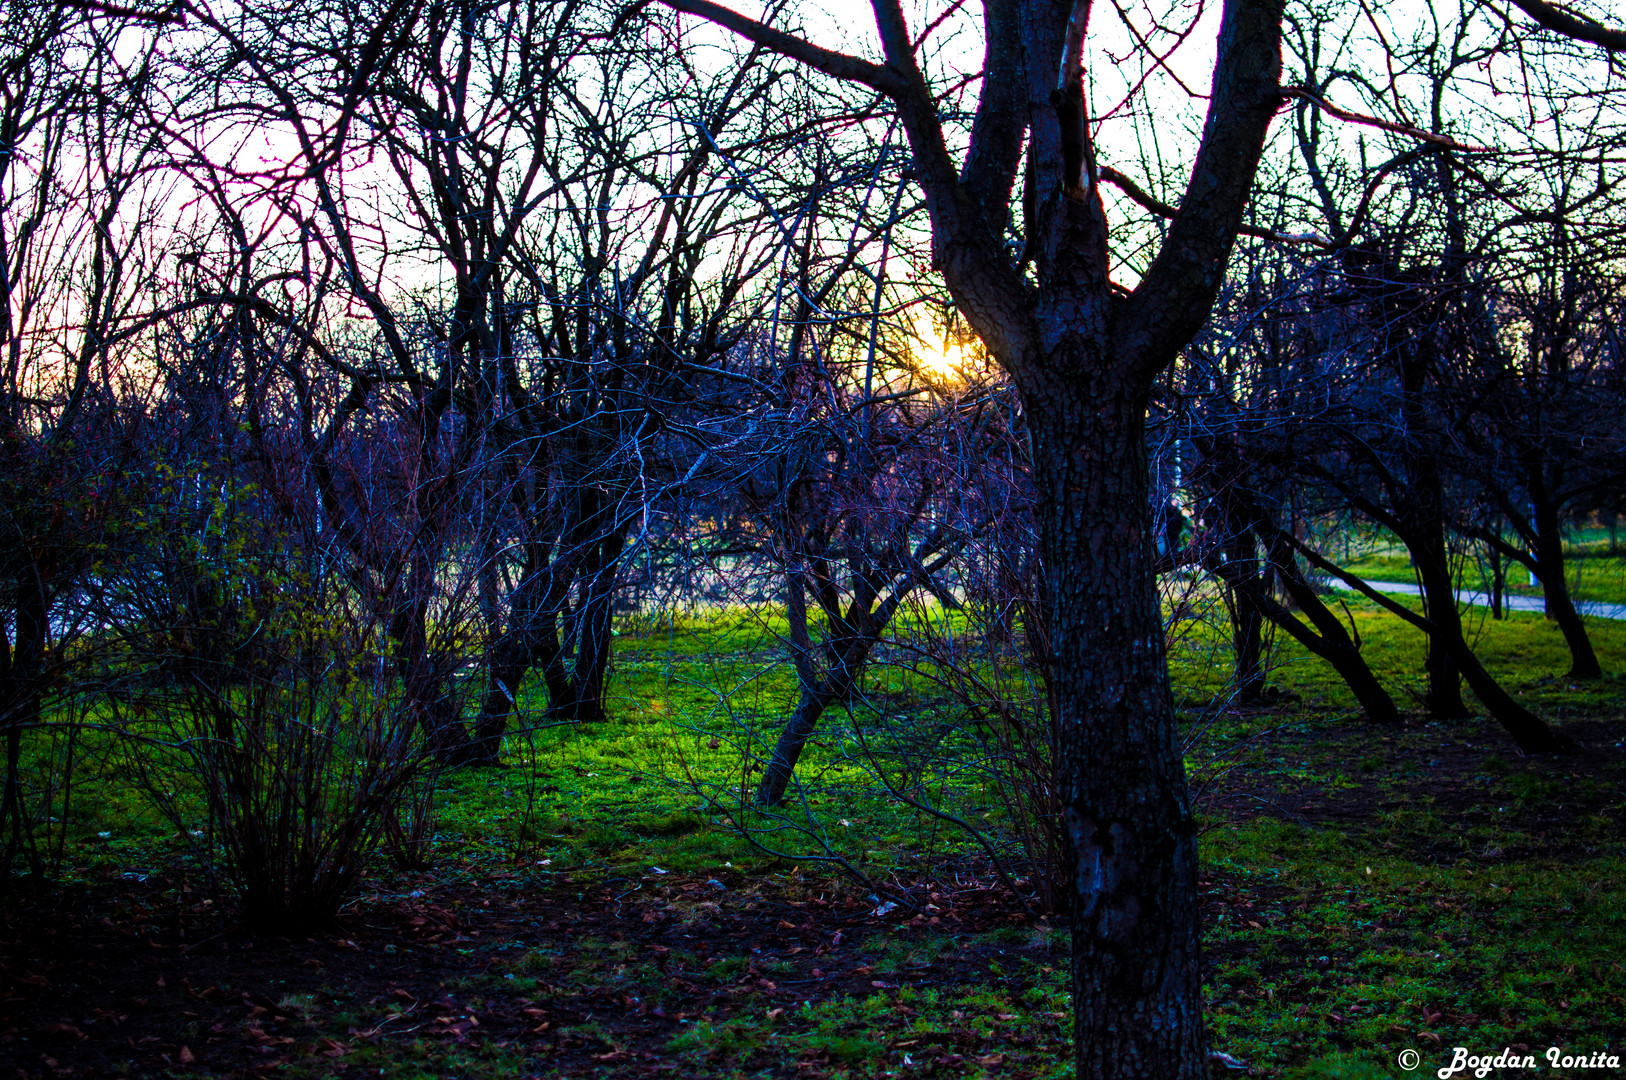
(1136, 961)
(1084, 359)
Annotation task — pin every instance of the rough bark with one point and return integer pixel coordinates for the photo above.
(1136, 960)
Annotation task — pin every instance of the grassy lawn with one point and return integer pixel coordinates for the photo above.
(1365, 891)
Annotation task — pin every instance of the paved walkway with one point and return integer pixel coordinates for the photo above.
(1591, 608)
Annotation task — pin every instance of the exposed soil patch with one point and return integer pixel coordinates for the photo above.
(138, 978)
(1437, 792)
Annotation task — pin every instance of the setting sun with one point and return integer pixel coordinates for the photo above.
(935, 354)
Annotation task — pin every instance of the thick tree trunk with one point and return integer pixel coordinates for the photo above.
(1136, 963)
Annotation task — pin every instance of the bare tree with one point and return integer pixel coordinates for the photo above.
(81, 284)
(1258, 384)
(1084, 355)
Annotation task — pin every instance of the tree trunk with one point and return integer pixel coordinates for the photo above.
(1446, 639)
(20, 693)
(1498, 582)
(837, 685)
(1560, 607)
(1444, 696)
(594, 636)
(1530, 732)
(1136, 961)
(509, 664)
(1420, 510)
(1329, 640)
(426, 692)
(1247, 623)
(788, 750)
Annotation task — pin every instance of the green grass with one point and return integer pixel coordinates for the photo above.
(1333, 947)
(694, 699)
(1593, 573)
(1330, 951)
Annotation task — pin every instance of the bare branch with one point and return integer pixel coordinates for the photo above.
(169, 16)
(838, 65)
(1431, 137)
(1573, 25)
(1162, 209)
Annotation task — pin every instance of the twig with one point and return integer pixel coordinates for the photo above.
(1162, 209)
